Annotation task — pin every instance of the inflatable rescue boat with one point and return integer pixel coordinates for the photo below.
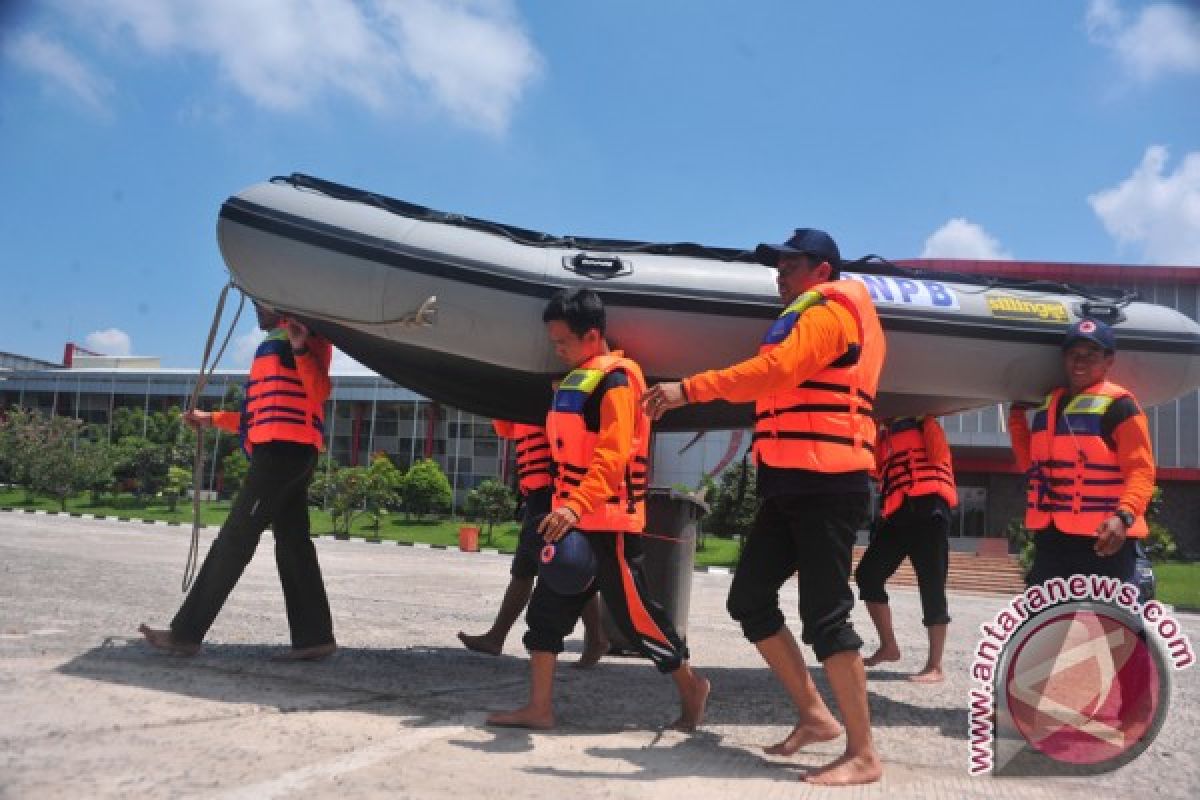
(450, 306)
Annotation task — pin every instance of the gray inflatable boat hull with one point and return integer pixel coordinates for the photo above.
(454, 312)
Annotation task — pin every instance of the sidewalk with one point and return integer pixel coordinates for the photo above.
(87, 710)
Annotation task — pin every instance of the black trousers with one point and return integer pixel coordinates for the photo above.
(275, 493)
(918, 530)
(622, 583)
(529, 541)
(813, 537)
(1061, 555)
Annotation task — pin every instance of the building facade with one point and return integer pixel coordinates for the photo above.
(367, 414)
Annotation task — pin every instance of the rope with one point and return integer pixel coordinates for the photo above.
(206, 372)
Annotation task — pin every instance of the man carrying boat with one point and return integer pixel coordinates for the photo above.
(813, 383)
(535, 475)
(282, 428)
(599, 438)
(916, 478)
(1089, 464)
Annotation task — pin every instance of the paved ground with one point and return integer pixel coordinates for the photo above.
(87, 711)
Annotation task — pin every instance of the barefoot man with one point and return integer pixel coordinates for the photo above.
(916, 477)
(535, 474)
(813, 383)
(599, 437)
(281, 426)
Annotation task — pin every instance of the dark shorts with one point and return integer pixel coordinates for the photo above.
(529, 542)
(812, 537)
(1061, 555)
(918, 531)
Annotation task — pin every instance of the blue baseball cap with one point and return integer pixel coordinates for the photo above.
(805, 241)
(1092, 330)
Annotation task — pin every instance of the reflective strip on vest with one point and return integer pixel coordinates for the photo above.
(572, 445)
(825, 423)
(905, 469)
(1075, 480)
(276, 408)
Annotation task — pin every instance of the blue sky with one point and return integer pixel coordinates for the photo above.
(1064, 131)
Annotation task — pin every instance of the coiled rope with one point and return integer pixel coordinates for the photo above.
(206, 372)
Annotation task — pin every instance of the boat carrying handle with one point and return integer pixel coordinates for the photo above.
(1105, 312)
(598, 266)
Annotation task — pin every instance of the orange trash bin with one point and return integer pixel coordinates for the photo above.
(468, 538)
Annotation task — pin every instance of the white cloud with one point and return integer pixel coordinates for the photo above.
(344, 364)
(61, 68)
(241, 350)
(960, 238)
(1156, 210)
(470, 57)
(1163, 38)
(476, 64)
(109, 342)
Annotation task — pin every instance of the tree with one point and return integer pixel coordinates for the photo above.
(176, 485)
(233, 471)
(491, 501)
(734, 502)
(142, 463)
(54, 469)
(425, 489)
(21, 435)
(95, 461)
(1160, 544)
(345, 490)
(381, 490)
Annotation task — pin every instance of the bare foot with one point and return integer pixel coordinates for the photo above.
(805, 733)
(165, 641)
(847, 770)
(524, 717)
(693, 704)
(481, 644)
(928, 675)
(592, 653)
(314, 653)
(884, 653)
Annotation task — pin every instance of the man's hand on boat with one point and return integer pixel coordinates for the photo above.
(557, 524)
(662, 397)
(297, 333)
(198, 419)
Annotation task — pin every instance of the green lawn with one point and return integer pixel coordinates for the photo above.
(393, 527)
(1179, 584)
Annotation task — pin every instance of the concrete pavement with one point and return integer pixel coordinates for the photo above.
(87, 710)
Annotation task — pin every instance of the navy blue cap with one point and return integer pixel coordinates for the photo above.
(1091, 330)
(806, 241)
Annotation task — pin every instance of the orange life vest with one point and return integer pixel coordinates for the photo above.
(535, 467)
(905, 469)
(276, 407)
(825, 424)
(1075, 480)
(572, 444)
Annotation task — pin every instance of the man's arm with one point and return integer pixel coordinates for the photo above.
(936, 446)
(312, 362)
(1136, 457)
(227, 420)
(1019, 435)
(503, 428)
(818, 338)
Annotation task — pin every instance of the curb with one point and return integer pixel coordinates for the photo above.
(491, 551)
